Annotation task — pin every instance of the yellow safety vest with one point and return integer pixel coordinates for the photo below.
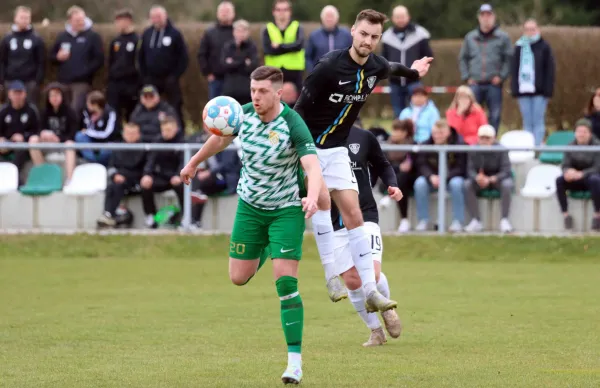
(289, 61)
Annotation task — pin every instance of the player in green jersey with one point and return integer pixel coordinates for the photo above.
(271, 213)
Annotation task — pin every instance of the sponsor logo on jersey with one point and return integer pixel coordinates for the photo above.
(354, 147)
(273, 137)
(348, 98)
(371, 81)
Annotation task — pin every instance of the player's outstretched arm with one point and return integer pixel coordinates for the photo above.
(418, 69)
(312, 169)
(213, 146)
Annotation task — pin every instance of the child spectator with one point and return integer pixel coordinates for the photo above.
(465, 115)
(239, 58)
(161, 172)
(592, 112)
(125, 172)
(423, 112)
(59, 125)
(488, 170)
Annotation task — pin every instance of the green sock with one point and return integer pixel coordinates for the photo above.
(292, 312)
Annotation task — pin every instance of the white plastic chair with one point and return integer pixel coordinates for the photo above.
(519, 139)
(9, 178)
(541, 181)
(88, 179)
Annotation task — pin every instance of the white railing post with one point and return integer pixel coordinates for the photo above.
(187, 191)
(441, 205)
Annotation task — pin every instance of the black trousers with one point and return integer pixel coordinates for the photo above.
(123, 96)
(160, 184)
(406, 181)
(169, 87)
(116, 191)
(209, 186)
(590, 183)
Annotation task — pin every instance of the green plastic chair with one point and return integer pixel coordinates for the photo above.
(43, 180)
(493, 193)
(580, 195)
(558, 138)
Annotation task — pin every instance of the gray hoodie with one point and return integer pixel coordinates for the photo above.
(588, 162)
(484, 56)
(492, 163)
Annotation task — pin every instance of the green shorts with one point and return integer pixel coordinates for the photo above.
(254, 229)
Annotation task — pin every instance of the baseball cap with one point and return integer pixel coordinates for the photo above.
(486, 8)
(16, 85)
(149, 89)
(486, 130)
(583, 123)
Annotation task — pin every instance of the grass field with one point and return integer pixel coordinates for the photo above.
(125, 311)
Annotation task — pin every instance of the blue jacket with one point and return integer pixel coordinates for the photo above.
(427, 117)
(318, 44)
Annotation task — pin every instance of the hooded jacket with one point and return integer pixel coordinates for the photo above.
(63, 122)
(149, 119)
(426, 117)
(405, 46)
(87, 54)
(22, 56)
(163, 53)
(428, 162)
(588, 162)
(211, 47)
(25, 121)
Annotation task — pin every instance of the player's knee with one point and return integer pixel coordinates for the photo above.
(324, 200)
(238, 279)
(352, 279)
(353, 218)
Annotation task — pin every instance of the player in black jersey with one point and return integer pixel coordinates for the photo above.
(368, 164)
(331, 99)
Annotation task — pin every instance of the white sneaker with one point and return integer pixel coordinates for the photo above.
(455, 227)
(474, 226)
(385, 202)
(421, 226)
(505, 226)
(150, 221)
(404, 226)
(292, 375)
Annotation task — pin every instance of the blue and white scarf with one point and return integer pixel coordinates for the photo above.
(527, 64)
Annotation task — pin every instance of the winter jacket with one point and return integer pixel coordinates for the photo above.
(595, 119)
(128, 163)
(467, 125)
(25, 121)
(588, 162)
(544, 70)
(428, 162)
(427, 116)
(122, 59)
(106, 129)
(237, 73)
(492, 163)
(485, 56)
(211, 48)
(64, 122)
(149, 119)
(405, 46)
(87, 54)
(322, 41)
(165, 163)
(22, 56)
(163, 53)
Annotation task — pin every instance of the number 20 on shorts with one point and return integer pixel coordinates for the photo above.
(240, 249)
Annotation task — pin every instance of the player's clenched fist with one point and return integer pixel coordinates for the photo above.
(187, 173)
(395, 193)
(309, 206)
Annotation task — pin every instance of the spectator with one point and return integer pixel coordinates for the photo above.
(289, 93)
(100, 125)
(532, 79)
(423, 112)
(123, 77)
(466, 115)
(23, 54)
(161, 172)
(380, 133)
(59, 125)
(239, 59)
(19, 120)
(163, 58)
(592, 112)
(327, 38)
(283, 43)
(79, 53)
(428, 167)
(211, 48)
(484, 62)
(125, 172)
(149, 113)
(581, 172)
(404, 166)
(488, 170)
(404, 42)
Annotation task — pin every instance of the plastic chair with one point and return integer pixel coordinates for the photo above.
(541, 181)
(519, 139)
(88, 179)
(559, 138)
(43, 179)
(9, 178)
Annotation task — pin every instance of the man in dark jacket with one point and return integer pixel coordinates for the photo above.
(123, 77)
(79, 53)
(238, 59)
(163, 58)
(428, 166)
(150, 112)
(211, 48)
(404, 42)
(22, 55)
(532, 79)
(327, 38)
(488, 170)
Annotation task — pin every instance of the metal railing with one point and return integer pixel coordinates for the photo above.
(189, 148)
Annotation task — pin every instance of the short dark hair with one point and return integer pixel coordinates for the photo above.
(131, 124)
(124, 13)
(406, 125)
(96, 98)
(372, 16)
(288, 2)
(269, 73)
(168, 120)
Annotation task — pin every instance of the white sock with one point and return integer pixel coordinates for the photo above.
(295, 359)
(360, 248)
(323, 231)
(357, 298)
(382, 286)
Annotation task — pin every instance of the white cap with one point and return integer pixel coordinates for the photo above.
(486, 130)
(486, 8)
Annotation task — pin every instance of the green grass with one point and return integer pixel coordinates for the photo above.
(124, 311)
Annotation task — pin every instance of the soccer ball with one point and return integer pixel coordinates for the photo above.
(223, 116)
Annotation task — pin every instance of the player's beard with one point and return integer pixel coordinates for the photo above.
(362, 52)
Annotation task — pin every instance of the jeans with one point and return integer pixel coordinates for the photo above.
(93, 156)
(215, 88)
(490, 96)
(533, 111)
(401, 96)
(472, 188)
(455, 187)
(590, 183)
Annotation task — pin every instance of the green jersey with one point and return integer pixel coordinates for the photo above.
(271, 153)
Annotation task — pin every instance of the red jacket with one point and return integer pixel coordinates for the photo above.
(467, 126)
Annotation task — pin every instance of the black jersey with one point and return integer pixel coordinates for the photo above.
(368, 164)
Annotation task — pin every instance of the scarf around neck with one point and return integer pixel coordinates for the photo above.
(527, 64)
